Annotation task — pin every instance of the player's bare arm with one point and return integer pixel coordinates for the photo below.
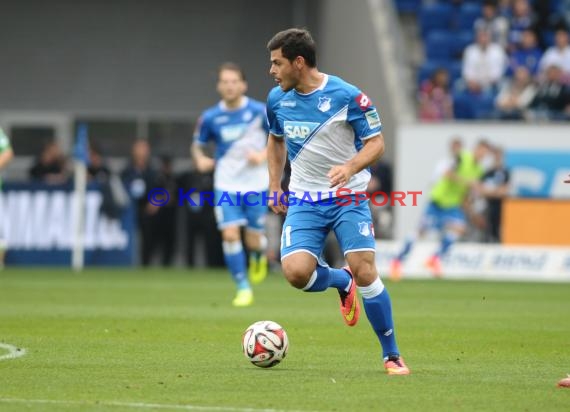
(5, 157)
(204, 164)
(372, 151)
(276, 154)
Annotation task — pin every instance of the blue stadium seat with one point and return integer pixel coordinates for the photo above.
(468, 13)
(454, 71)
(434, 17)
(408, 6)
(469, 106)
(439, 45)
(461, 40)
(548, 37)
(556, 6)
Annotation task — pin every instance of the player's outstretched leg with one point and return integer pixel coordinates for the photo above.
(236, 262)
(434, 262)
(320, 279)
(378, 307)
(325, 277)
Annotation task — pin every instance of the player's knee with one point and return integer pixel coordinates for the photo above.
(297, 275)
(364, 272)
(231, 235)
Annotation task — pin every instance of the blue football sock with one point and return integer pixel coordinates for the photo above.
(449, 239)
(236, 262)
(325, 277)
(378, 309)
(408, 245)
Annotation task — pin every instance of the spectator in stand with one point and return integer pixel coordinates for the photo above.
(504, 8)
(435, 99)
(552, 100)
(49, 166)
(558, 55)
(515, 95)
(528, 54)
(550, 15)
(522, 19)
(493, 22)
(484, 63)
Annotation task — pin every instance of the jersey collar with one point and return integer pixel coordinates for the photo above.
(321, 87)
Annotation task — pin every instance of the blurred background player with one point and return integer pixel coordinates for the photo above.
(494, 187)
(238, 127)
(444, 212)
(6, 155)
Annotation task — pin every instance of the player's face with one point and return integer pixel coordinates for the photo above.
(282, 71)
(231, 86)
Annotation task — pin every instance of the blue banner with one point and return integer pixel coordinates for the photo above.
(539, 173)
(36, 221)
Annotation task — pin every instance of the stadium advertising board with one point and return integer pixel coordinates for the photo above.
(37, 221)
(482, 262)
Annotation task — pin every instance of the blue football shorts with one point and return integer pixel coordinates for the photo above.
(308, 224)
(232, 210)
(437, 218)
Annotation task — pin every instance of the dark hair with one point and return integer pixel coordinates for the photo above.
(295, 42)
(484, 142)
(231, 67)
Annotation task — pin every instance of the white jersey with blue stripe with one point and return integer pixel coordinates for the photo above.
(236, 132)
(322, 129)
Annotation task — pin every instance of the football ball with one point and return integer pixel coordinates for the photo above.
(265, 343)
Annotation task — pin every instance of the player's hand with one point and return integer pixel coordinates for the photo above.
(277, 205)
(255, 158)
(339, 176)
(205, 164)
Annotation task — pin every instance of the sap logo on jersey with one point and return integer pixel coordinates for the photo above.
(232, 132)
(299, 130)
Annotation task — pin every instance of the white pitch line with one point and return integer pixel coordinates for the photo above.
(142, 405)
(13, 351)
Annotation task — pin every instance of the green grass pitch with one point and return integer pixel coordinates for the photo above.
(110, 340)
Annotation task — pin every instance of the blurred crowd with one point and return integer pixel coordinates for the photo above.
(516, 68)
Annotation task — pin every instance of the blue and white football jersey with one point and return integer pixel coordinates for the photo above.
(322, 129)
(236, 132)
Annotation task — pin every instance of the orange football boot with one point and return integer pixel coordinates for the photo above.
(395, 270)
(349, 304)
(434, 265)
(395, 366)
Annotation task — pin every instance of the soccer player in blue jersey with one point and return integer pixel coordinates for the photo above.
(331, 133)
(238, 127)
(6, 155)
